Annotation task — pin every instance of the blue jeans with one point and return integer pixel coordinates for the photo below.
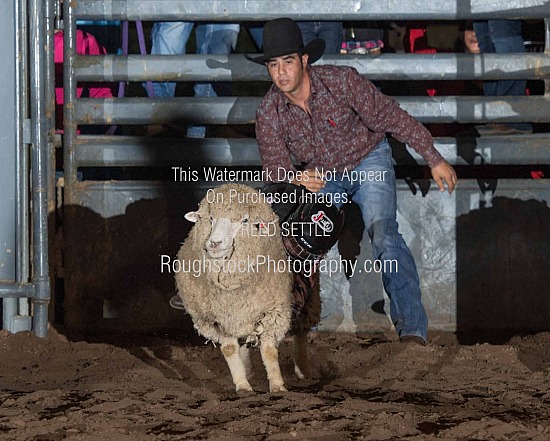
(501, 36)
(378, 203)
(170, 38)
(330, 31)
(256, 31)
(216, 39)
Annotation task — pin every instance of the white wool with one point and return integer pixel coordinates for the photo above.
(252, 305)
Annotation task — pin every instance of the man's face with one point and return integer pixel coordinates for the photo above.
(287, 72)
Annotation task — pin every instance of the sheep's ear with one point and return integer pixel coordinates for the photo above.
(192, 216)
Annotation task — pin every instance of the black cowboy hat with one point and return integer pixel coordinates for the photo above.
(282, 36)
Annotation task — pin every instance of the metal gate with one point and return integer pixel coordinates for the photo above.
(115, 230)
(26, 143)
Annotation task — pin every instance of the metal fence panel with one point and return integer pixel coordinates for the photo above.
(8, 151)
(27, 96)
(242, 110)
(117, 282)
(259, 10)
(140, 151)
(388, 67)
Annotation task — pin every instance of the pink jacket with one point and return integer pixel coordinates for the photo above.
(86, 44)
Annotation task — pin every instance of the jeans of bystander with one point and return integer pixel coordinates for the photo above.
(170, 38)
(501, 36)
(330, 31)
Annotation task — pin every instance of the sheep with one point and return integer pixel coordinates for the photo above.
(237, 297)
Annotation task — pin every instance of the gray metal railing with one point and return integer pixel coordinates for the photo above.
(35, 105)
(239, 110)
(259, 10)
(389, 67)
(534, 66)
(129, 151)
(242, 110)
(134, 151)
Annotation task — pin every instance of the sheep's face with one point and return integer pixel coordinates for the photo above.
(220, 243)
(229, 213)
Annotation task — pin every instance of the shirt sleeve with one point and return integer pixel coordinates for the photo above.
(274, 153)
(382, 113)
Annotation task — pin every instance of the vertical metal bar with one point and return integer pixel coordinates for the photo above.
(143, 51)
(69, 128)
(58, 15)
(8, 158)
(69, 96)
(121, 84)
(546, 51)
(40, 13)
(125, 38)
(48, 161)
(22, 162)
(49, 73)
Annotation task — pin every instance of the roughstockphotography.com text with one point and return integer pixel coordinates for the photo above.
(261, 263)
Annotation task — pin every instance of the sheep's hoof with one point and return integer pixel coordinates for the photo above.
(244, 387)
(275, 388)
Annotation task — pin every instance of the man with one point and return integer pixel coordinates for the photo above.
(334, 121)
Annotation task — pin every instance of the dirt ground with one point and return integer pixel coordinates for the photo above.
(363, 387)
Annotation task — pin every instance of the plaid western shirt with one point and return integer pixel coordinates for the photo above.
(349, 117)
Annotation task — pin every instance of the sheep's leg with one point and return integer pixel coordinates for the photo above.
(245, 357)
(230, 350)
(270, 357)
(301, 355)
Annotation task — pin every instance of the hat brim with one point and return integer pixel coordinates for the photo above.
(314, 49)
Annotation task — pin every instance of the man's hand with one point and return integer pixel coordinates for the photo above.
(311, 179)
(444, 172)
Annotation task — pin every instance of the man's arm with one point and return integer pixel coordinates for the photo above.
(382, 113)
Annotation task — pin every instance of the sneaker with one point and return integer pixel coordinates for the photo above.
(504, 129)
(412, 339)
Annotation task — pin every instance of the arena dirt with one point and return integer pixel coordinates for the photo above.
(363, 387)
